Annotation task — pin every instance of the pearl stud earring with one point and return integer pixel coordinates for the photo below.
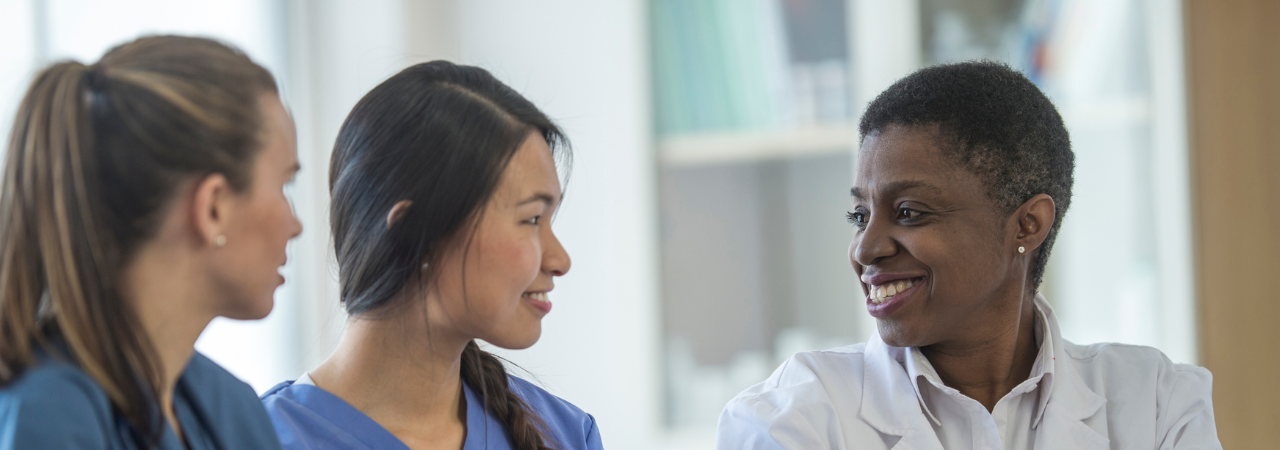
(1022, 249)
(221, 240)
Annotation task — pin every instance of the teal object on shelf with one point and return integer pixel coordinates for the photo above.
(718, 65)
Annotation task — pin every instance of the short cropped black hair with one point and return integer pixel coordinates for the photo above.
(997, 124)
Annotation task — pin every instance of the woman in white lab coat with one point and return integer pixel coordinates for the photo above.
(963, 177)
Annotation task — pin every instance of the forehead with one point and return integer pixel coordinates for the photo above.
(902, 157)
(531, 169)
(278, 134)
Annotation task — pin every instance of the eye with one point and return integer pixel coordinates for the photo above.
(533, 220)
(908, 214)
(858, 218)
(288, 192)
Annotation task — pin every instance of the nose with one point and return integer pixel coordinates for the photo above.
(853, 245)
(872, 244)
(295, 225)
(555, 260)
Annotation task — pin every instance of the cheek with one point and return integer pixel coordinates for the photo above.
(522, 259)
(267, 232)
(273, 224)
(857, 268)
(282, 218)
(508, 264)
(962, 262)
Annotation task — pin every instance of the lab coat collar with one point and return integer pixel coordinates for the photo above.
(891, 406)
(888, 401)
(1042, 371)
(918, 366)
(1047, 360)
(1071, 403)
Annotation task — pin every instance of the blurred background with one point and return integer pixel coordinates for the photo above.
(714, 144)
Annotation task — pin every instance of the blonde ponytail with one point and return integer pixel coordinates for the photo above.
(95, 153)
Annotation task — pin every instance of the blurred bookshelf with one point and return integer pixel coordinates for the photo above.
(754, 130)
(747, 146)
(721, 66)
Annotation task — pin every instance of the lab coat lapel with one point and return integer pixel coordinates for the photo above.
(1073, 410)
(889, 404)
(1065, 427)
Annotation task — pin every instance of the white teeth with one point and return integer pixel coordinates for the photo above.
(880, 294)
(540, 296)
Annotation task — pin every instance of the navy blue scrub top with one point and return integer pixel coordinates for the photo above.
(56, 405)
(310, 418)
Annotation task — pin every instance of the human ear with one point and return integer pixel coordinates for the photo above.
(1034, 220)
(397, 211)
(210, 210)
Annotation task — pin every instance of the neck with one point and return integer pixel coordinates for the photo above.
(397, 372)
(162, 287)
(988, 365)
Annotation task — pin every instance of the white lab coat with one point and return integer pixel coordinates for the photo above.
(1105, 396)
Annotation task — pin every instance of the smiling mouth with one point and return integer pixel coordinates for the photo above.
(885, 292)
(539, 300)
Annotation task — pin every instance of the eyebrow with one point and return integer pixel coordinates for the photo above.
(897, 186)
(542, 197)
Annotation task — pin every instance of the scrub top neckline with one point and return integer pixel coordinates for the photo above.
(316, 398)
(194, 425)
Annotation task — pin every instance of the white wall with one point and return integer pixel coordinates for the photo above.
(584, 62)
(339, 50)
(18, 57)
(1171, 177)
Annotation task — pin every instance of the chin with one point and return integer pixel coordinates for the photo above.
(895, 334)
(251, 309)
(521, 342)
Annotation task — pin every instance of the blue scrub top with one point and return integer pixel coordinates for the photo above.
(309, 418)
(54, 404)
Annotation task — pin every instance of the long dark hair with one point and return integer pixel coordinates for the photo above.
(95, 155)
(439, 135)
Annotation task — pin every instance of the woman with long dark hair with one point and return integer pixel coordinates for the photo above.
(443, 184)
(142, 197)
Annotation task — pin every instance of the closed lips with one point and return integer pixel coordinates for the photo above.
(882, 293)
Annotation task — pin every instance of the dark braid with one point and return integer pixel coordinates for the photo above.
(486, 374)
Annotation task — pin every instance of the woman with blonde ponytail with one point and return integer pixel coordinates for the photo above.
(443, 183)
(142, 197)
